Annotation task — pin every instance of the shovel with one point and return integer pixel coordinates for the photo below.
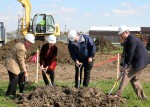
(79, 76)
(115, 83)
(23, 80)
(47, 77)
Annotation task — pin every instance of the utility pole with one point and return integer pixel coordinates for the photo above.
(65, 29)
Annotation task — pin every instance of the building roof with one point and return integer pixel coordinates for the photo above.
(113, 31)
(112, 28)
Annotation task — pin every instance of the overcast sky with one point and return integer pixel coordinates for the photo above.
(81, 14)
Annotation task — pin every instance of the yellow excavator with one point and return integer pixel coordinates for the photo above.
(26, 24)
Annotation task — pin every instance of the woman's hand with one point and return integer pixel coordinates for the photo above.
(41, 67)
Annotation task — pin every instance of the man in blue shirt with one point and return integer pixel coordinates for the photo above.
(82, 50)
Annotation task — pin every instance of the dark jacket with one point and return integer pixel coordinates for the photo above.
(48, 56)
(136, 53)
(84, 49)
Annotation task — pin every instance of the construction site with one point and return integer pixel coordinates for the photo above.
(63, 96)
(63, 93)
(66, 96)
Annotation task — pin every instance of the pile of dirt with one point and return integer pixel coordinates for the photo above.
(63, 53)
(64, 96)
(5, 49)
(103, 45)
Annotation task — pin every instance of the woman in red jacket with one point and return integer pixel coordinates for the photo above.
(48, 59)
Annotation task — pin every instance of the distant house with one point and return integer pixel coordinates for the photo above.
(111, 33)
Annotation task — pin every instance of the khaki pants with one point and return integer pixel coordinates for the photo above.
(132, 76)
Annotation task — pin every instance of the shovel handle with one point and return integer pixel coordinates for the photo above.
(44, 71)
(115, 83)
(79, 76)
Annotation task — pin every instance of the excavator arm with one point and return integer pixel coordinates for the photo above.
(26, 17)
(49, 28)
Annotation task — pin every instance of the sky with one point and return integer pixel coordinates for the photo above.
(81, 15)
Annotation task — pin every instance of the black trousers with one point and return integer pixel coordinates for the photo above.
(51, 75)
(87, 70)
(13, 80)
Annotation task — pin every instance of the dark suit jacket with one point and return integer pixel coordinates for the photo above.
(136, 53)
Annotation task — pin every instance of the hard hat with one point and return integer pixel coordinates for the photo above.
(122, 29)
(72, 35)
(30, 38)
(51, 39)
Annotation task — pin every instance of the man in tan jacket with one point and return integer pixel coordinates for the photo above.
(15, 64)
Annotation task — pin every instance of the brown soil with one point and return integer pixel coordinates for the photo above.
(103, 45)
(63, 50)
(65, 96)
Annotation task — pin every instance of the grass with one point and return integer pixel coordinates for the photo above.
(104, 85)
(132, 99)
(5, 101)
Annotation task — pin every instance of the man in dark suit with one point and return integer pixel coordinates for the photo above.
(136, 58)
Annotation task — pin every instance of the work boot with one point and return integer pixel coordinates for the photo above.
(53, 84)
(76, 86)
(114, 96)
(142, 96)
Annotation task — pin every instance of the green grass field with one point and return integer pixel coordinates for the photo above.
(105, 86)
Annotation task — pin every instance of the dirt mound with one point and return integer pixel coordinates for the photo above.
(64, 96)
(63, 53)
(5, 49)
(103, 45)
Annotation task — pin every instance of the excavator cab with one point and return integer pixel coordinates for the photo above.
(43, 24)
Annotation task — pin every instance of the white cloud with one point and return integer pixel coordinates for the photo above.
(119, 12)
(48, 12)
(65, 11)
(9, 7)
(68, 10)
(53, 6)
(8, 18)
(60, 10)
(145, 7)
(87, 15)
(57, 0)
(44, 5)
(106, 14)
(66, 19)
(48, 6)
(127, 4)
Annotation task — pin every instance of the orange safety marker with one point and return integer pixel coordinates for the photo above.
(112, 59)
